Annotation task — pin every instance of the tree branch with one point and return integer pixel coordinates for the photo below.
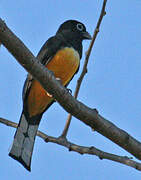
(81, 149)
(46, 78)
(84, 70)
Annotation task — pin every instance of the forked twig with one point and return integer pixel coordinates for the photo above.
(84, 71)
(81, 149)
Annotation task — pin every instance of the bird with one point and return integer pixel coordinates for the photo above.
(61, 54)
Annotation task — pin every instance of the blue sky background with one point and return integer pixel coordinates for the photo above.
(112, 85)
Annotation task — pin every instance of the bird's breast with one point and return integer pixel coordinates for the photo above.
(64, 65)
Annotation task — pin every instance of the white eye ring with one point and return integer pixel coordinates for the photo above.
(80, 27)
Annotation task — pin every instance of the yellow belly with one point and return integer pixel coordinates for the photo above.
(64, 65)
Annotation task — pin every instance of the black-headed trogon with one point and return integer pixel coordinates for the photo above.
(60, 54)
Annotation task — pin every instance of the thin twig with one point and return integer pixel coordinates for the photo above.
(81, 149)
(84, 70)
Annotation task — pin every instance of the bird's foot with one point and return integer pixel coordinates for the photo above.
(69, 90)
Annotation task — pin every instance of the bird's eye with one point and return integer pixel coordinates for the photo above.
(80, 27)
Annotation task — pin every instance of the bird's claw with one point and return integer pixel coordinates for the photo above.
(69, 90)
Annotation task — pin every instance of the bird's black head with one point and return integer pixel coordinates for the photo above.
(73, 26)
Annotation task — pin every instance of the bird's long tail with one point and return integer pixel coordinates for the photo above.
(24, 139)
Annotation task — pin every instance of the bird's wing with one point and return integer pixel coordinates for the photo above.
(48, 50)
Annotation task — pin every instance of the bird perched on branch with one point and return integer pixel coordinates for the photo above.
(60, 54)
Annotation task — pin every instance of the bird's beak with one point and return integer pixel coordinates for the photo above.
(86, 35)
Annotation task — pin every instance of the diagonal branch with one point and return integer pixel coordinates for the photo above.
(46, 78)
(84, 70)
(81, 149)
